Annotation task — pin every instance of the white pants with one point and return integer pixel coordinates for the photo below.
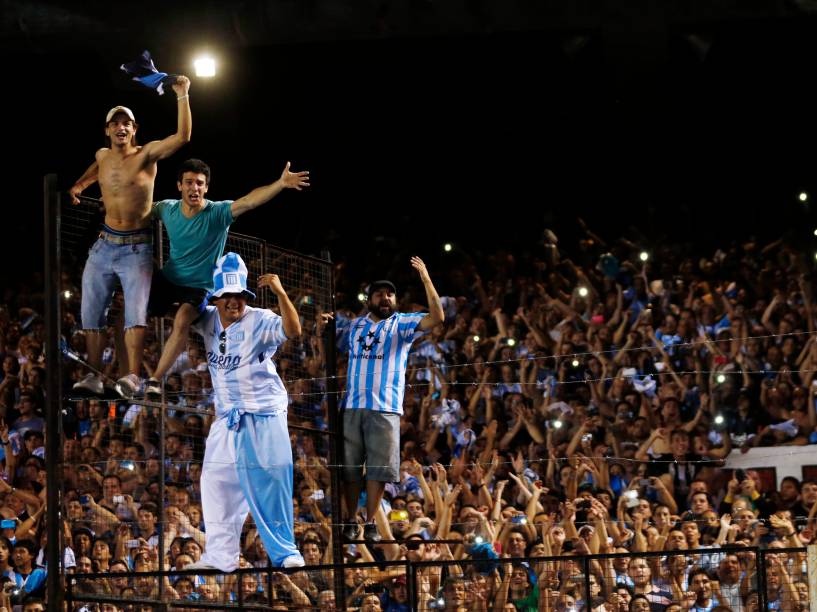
(249, 470)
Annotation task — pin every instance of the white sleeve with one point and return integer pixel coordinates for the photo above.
(204, 320)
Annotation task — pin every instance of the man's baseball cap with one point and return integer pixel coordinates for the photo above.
(119, 109)
(382, 284)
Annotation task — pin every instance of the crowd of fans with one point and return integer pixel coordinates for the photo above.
(577, 400)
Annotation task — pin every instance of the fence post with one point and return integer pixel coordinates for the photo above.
(240, 578)
(162, 477)
(587, 594)
(411, 584)
(51, 221)
(162, 473)
(269, 579)
(760, 572)
(335, 440)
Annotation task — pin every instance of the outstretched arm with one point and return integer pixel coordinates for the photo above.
(262, 195)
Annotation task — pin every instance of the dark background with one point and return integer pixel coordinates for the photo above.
(421, 122)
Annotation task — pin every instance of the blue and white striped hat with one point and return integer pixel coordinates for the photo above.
(230, 276)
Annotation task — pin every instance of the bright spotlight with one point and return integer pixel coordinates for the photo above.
(66, 294)
(205, 66)
(719, 419)
(721, 379)
(361, 297)
(583, 291)
(447, 247)
(575, 363)
(803, 196)
(644, 256)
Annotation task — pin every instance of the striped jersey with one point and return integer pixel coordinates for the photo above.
(378, 354)
(240, 361)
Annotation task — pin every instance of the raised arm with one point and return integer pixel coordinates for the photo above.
(540, 338)
(162, 149)
(805, 291)
(436, 315)
(291, 321)
(766, 319)
(262, 195)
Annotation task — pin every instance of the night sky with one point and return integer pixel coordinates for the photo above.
(478, 139)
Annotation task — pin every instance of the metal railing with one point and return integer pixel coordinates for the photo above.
(759, 579)
(70, 230)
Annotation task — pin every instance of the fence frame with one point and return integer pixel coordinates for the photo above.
(57, 587)
(413, 566)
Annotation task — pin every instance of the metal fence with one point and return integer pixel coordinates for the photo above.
(738, 579)
(118, 470)
(113, 458)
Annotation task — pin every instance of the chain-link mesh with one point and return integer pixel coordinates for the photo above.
(114, 455)
(302, 363)
(747, 579)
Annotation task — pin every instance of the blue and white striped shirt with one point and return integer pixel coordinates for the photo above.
(244, 375)
(378, 354)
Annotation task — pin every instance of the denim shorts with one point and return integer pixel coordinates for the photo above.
(371, 438)
(132, 266)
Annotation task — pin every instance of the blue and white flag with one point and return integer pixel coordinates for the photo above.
(144, 71)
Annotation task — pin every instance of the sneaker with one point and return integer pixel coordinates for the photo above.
(128, 386)
(293, 561)
(153, 390)
(91, 385)
(350, 532)
(370, 533)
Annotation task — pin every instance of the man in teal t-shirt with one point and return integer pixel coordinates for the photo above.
(197, 229)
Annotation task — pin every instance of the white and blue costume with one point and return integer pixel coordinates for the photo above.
(248, 459)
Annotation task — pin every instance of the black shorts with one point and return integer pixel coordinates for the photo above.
(164, 295)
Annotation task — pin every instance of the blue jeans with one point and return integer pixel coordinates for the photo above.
(132, 265)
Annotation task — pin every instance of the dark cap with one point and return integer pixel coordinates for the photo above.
(380, 284)
(78, 530)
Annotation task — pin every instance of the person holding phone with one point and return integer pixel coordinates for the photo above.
(281, 581)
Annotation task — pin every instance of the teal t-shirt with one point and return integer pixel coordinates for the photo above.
(196, 243)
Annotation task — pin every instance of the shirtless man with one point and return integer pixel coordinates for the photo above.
(126, 173)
